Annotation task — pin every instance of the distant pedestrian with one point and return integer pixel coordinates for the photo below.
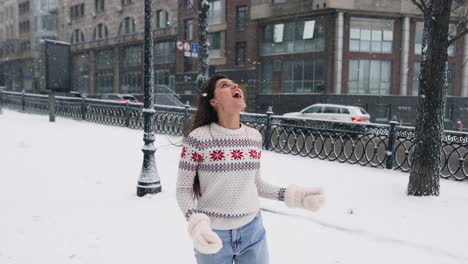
(219, 181)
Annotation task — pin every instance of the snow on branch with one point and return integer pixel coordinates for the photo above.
(459, 35)
(421, 4)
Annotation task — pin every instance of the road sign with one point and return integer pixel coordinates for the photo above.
(187, 47)
(180, 45)
(194, 50)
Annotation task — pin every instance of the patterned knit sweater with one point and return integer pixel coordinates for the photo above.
(228, 165)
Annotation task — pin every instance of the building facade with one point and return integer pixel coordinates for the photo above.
(107, 43)
(284, 53)
(24, 24)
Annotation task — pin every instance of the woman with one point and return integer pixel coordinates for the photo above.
(219, 181)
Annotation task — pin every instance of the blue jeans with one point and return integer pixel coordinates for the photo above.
(244, 245)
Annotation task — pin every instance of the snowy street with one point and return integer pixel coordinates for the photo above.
(68, 195)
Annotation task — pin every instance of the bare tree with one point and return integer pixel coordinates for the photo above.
(425, 170)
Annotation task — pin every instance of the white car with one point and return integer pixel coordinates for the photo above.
(340, 113)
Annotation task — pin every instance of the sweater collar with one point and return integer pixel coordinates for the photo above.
(228, 131)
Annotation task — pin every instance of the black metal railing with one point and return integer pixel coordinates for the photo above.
(374, 145)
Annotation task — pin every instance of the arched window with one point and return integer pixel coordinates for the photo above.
(77, 36)
(162, 19)
(100, 32)
(127, 26)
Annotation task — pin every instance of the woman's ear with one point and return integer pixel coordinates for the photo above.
(213, 103)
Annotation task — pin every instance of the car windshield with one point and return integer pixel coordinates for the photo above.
(363, 111)
(127, 97)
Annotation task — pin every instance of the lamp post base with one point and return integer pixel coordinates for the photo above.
(144, 188)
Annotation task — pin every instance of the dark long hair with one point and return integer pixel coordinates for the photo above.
(205, 115)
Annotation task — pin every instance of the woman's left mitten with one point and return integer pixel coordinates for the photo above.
(308, 198)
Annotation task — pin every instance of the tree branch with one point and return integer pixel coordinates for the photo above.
(421, 5)
(459, 35)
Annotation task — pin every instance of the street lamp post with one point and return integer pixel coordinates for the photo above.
(1, 100)
(148, 182)
(203, 46)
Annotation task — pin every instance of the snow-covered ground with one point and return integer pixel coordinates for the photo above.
(68, 195)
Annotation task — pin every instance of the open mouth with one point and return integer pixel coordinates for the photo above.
(237, 94)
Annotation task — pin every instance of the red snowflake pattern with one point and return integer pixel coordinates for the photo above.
(254, 154)
(237, 154)
(197, 157)
(217, 155)
(184, 152)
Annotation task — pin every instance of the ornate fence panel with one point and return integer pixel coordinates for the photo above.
(363, 144)
(373, 145)
(13, 100)
(68, 107)
(34, 103)
(107, 112)
(172, 120)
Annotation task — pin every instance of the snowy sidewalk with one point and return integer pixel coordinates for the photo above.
(68, 195)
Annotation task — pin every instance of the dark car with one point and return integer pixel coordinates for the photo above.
(123, 98)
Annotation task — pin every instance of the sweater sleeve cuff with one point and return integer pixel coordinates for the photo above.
(281, 194)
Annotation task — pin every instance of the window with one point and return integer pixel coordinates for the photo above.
(105, 83)
(313, 110)
(23, 8)
(77, 11)
(99, 6)
(132, 82)
(188, 4)
(369, 77)
(331, 110)
(188, 29)
(187, 64)
(162, 19)
(25, 45)
(345, 111)
(48, 4)
(127, 26)
(303, 76)
(293, 37)
(104, 60)
(161, 77)
(240, 53)
(104, 71)
(132, 56)
(371, 35)
(266, 77)
(131, 70)
(49, 22)
(279, 1)
(241, 18)
(80, 73)
(216, 44)
(416, 72)
(419, 36)
(100, 32)
(216, 12)
(450, 78)
(164, 52)
(126, 2)
(77, 36)
(24, 27)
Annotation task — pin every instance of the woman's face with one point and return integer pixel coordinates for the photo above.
(228, 97)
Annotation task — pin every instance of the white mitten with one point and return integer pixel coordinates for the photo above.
(204, 239)
(308, 198)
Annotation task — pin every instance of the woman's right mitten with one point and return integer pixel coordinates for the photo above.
(204, 239)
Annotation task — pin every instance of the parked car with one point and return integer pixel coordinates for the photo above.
(341, 113)
(123, 98)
